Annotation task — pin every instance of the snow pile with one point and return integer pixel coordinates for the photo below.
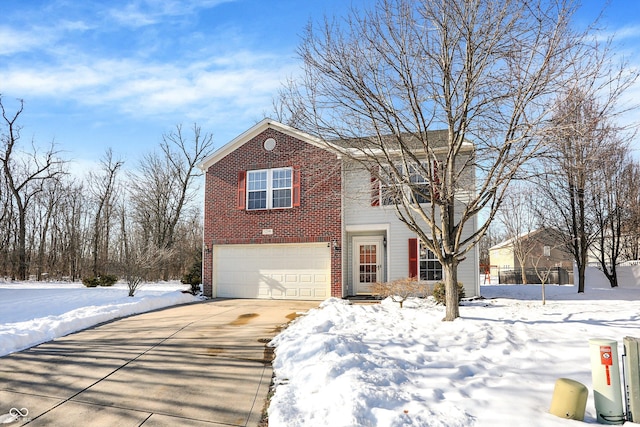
(35, 312)
(379, 365)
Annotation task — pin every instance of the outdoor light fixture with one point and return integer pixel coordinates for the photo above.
(207, 249)
(384, 241)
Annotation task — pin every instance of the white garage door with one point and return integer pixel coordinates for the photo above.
(283, 271)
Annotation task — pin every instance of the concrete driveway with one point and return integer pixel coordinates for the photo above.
(201, 364)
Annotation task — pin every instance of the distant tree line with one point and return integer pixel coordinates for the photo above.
(140, 223)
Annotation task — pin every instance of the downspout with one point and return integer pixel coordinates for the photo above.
(343, 232)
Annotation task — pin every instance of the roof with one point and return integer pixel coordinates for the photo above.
(354, 147)
(509, 242)
(257, 129)
(435, 141)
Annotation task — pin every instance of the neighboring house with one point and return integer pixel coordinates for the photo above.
(540, 250)
(287, 216)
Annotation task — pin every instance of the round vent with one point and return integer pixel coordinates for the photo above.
(269, 144)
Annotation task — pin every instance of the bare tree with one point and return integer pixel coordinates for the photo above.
(74, 225)
(164, 186)
(140, 262)
(44, 219)
(103, 185)
(67, 229)
(609, 209)
(483, 71)
(519, 220)
(26, 174)
(631, 227)
(543, 268)
(581, 139)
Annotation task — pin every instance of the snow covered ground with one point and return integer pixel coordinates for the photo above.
(378, 365)
(35, 312)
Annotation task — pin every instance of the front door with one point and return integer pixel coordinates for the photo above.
(368, 263)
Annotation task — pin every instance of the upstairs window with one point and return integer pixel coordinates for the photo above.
(420, 188)
(257, 189)
(402, 182)
(269, 189)
(281, 186)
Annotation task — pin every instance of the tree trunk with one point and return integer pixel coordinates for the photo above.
(22, 245)
(450, 267)
(614, 277)
(581, 276)
(523, 273)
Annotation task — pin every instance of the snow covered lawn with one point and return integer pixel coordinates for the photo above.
(35, 312)
(379, 365)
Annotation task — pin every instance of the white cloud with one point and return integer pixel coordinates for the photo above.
(627, 32)
(138, 88)
(140, 13)
(15, 41)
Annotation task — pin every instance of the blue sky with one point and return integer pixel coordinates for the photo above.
(96, 74)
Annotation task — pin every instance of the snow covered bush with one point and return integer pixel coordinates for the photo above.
(439, 292)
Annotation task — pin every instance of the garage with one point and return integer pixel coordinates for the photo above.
(272, 271)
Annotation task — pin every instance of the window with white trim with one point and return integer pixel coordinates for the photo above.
(269, 188)
(430, 267)
(420, 191)
(390, 189)
(394, 188)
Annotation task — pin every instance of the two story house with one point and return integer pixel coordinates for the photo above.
(290, 216)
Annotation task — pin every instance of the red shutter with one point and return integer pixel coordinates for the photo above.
(242, 179)
(413, 257)
(375, 191)
(296, 186)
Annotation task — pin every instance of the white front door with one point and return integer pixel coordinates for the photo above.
(368, 263)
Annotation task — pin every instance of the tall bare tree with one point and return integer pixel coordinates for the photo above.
(26, 173)
(631, 227)
(580, 140)
(73, 225)
(610, 207)
(103, 185)
(482, 70)
(44, 219)
(519, 220)
(164, 185)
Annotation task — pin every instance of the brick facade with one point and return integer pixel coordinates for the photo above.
(317, 219)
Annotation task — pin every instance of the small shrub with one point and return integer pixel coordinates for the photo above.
(401, 289)
(107, 279)
(439, 293)
(91, 282)
(193, 277)
(103, 280)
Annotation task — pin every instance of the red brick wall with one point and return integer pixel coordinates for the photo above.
(317, 219)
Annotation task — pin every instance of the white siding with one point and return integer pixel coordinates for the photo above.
(362, 218)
